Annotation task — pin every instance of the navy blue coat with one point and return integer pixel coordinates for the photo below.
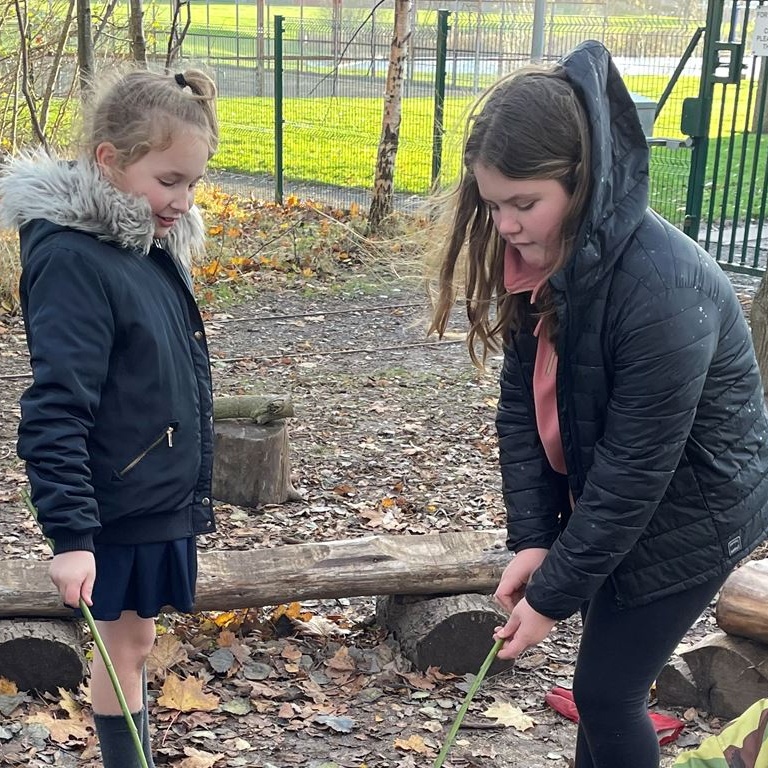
(116, 429)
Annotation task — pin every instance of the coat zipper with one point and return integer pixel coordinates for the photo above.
(166, 435)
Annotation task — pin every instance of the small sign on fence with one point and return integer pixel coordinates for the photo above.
(760, 36)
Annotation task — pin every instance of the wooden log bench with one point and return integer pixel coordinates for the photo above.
(439, 564)
(727, 671)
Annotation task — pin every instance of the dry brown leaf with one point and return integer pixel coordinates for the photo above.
(186, 695)
(62, 729)
(166, 653)
(198, 759)
(341, 661)
(413, 743)
(291, 652)
(417, 680)
(7, 687)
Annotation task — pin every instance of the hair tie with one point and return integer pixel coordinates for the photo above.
(181, 80)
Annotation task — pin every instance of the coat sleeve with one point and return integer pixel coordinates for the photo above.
(661, 357)
(535, 496)
(70, 331)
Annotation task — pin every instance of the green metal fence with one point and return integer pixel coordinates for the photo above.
(332, 84)
(313, 131)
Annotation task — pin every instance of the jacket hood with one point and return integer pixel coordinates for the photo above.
(619, 163)
(75, 195)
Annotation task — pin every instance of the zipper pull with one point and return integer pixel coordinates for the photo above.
(169, 434)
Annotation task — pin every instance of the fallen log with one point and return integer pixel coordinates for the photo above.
(742, 607)
(261, 409)
(721, 674)
(453, 632)
(436, 563)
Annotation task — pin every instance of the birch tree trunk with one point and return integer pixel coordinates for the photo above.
(138, 41)
(383, 185)
(758, 318)
(85, 55)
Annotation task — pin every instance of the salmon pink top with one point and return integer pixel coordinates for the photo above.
(520, 277)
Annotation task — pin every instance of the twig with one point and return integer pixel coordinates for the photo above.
(336, 352)
(86, 611)
(318, 313)
(335, 70)
(465, 705)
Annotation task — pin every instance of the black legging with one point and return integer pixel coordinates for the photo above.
(621, 653)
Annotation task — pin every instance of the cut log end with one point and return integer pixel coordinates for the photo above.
(453, 632)
(42, 655)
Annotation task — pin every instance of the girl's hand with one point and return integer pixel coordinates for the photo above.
(73, 573)
(517, 574)
(525, 628)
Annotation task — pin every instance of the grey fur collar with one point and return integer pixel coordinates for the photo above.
(36, 186)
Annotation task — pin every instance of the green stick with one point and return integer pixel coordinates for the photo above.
(465, 706)
(86, 611)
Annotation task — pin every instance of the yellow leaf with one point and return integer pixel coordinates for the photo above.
(508, 715)
(216, 229)
(7, 687)
(225, 619)
(68, 704)
(413, 743)
(186, 695)
(354, 209)
(307, 272)
(292, 201)
(234, 232)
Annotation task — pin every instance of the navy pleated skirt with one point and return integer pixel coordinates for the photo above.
(144, 578)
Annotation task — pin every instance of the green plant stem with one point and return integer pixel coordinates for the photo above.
(465, 705)
(89, 620)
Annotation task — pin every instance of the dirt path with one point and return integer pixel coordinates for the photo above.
(393, 434)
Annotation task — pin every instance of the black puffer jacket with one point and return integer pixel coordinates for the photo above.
(116, 429)
(660, 400)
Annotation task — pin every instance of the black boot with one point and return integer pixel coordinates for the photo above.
(118, 749)
(146, 742)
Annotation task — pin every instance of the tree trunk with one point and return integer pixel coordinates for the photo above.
(758, 318)
(454, 632)
(760, 120)
(383, 186)
(435, 563)
(251, 465)
(85, 55)
(138, 41)
(42, 655)
(742, 607)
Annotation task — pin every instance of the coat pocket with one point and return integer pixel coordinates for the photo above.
(166, 436)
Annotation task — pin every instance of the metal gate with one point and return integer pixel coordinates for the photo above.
(728, 125)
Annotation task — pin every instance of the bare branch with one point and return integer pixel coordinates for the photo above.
(176, 38)
(335, 70)
(25, 89)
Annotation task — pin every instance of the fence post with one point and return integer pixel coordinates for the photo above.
(696, 116)
(438, 129)
(279, 109)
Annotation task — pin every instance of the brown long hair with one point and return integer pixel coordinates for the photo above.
(529, 125)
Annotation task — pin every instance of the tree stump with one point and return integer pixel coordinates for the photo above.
(453, 632)
(675, 686)
(42, 655)
(742, 607)
(251, 464)
(729, 674)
